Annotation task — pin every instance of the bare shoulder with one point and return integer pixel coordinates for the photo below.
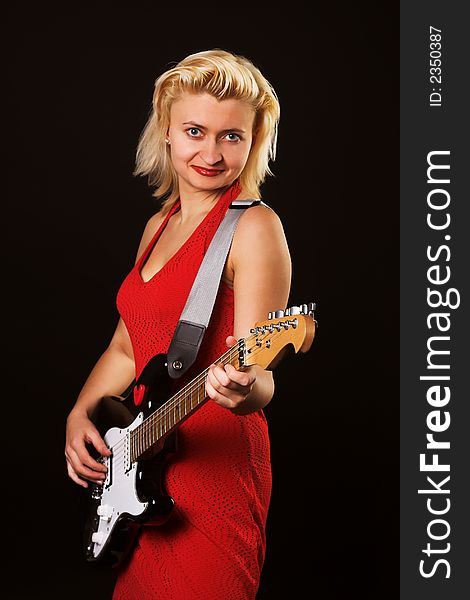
(149, 231)
(259, 215)
(259, 228)
(261, 268)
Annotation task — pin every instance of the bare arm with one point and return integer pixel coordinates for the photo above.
(111, 375)
(262, 277)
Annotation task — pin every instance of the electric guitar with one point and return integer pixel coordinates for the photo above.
(139, 427)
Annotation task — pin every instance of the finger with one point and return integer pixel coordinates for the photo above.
(231, 341)
(87, 460)
(233, 391)
(243, 378)
(75, 477)
(229, 397)
(77, 444)
(218, 397)
(219, 376)
(94, 438)
(85, 467)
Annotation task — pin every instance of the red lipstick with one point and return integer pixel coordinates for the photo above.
(207, 172)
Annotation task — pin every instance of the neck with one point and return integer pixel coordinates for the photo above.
(195, 203)
(196, 206)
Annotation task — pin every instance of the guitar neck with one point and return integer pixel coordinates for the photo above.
(178, 408)
(264, 347)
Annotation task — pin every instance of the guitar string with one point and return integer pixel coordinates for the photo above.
(193, 384)
(118, 456)
(164, 411)
(160, 416)
(160, 419)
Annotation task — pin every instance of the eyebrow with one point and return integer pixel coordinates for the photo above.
(223, 131)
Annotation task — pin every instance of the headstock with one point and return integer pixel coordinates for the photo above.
(294, 326)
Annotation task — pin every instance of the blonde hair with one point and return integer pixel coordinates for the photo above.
(224, 75)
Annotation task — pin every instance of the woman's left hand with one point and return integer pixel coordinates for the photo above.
(227, 386)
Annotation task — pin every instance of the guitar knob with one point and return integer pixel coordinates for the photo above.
(105, 512)
(97, 537)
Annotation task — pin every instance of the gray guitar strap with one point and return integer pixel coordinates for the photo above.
(197, 311)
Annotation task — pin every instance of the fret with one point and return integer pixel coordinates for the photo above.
(156, 426)
(167, 417)
(201, 392)
(191, 401)
(169, 420)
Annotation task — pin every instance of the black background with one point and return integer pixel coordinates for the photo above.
(80, 83)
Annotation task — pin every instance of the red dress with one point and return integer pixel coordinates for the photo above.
(213, 546)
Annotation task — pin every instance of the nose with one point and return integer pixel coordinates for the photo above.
(210, 153)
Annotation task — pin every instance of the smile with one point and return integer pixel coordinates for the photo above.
(207, 172)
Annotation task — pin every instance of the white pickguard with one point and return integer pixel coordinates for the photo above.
(119, 489)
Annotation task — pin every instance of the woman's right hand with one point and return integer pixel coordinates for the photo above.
(80, 464)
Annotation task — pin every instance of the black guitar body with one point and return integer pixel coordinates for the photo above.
(113, 513)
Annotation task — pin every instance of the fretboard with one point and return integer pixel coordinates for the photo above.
(175, 410)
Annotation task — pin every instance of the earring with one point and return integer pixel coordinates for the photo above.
(167, 141)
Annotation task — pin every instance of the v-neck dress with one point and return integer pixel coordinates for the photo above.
(213, 546)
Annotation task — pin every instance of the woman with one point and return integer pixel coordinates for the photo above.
(208, 141)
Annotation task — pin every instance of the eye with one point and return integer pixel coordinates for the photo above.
(237, 137)
(191, 131)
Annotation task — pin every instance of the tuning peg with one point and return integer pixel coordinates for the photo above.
(294, 310)
(270, 316)
(278, 314)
